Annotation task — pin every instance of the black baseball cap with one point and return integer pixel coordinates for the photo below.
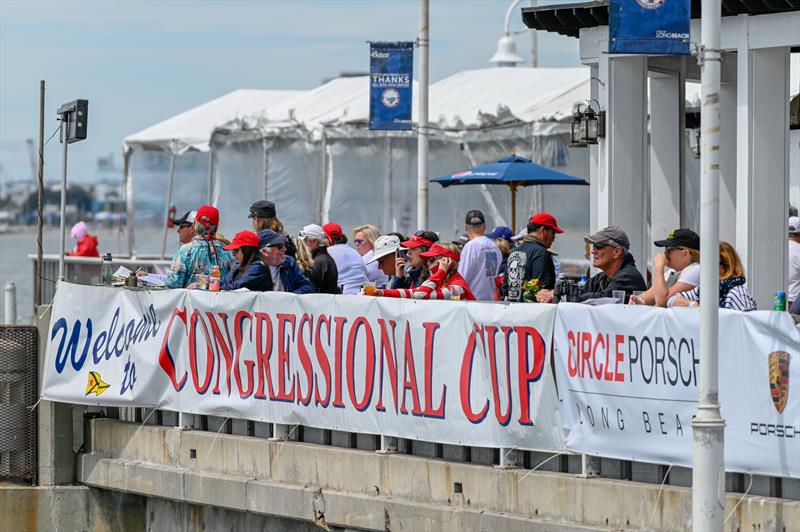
(186, 219)
(263, 209)
(680, 238)
(475, 217)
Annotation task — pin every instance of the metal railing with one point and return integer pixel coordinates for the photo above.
(84, 270)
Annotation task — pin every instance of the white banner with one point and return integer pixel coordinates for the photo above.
(450, 372)
(628, 380)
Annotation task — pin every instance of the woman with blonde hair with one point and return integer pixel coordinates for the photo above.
(444, 282)
(732, 291)
(303, 256)
(364, 237)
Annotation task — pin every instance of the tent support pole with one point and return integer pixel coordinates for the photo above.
(514, 208)
(388, 214)
(127, 186)
(323, 176)
(210, 174)
(170, 180)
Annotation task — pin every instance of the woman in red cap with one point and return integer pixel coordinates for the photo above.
(249, 271)
(444, 283)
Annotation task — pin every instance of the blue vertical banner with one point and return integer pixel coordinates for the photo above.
(649, 27)
(391, 70)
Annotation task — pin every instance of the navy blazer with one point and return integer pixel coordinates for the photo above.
(255, 278)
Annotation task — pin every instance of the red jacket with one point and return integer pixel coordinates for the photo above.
(87, 247)
(434, 288)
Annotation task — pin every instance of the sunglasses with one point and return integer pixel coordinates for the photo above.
(358, 241)
(602, 246)
(670, 249)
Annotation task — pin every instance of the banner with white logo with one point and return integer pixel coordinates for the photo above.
(391, 71)
(628, 381)
(649, 26)
(451, 372)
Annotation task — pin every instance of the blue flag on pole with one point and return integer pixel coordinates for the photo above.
(649, 26)
(391, 68)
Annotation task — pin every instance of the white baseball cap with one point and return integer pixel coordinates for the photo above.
(794, 224)
(384, 246)
(313, 231)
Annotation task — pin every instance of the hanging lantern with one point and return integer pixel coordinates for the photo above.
(589, 127)
(575, 129)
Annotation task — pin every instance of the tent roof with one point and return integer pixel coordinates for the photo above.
(191, 130)
(471, 99)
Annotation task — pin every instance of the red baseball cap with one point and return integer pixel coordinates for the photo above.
(243, 239)
(416, 242)
(333, 230)
(440, 251)
(546, 219)
(207, 215)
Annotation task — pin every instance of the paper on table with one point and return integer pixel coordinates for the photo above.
(122, 272)
(152, 279)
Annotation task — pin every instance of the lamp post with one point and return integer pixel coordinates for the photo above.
(708, 427)
(74, 125)
(423, 43)
(506, 54)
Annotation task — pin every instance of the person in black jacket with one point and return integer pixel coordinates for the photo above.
(249, 271)
(610, 254)
(323, 275)
(411, 269)
(531, 260)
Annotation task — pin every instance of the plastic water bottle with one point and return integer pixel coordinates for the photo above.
(107, 270)
(582, 283)
(214, 279)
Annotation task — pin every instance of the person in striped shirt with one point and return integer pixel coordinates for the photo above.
(444, 282)
(732, 291)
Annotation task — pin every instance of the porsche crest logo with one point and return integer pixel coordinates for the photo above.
(779, 379)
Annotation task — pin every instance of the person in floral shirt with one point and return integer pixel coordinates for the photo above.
(201, 254)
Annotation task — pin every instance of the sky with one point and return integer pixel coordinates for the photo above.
(140, 62)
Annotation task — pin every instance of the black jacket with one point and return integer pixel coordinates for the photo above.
(324, 274)
(529, 261)
(411, 280)
(626, 278)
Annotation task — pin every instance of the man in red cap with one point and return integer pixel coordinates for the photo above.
(199, 256)
(531, 260)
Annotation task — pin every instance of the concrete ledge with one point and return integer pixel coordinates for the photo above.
(361, 489)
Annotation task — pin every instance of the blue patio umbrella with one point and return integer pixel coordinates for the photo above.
(513, 171)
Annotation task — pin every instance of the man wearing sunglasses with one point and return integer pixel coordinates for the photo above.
(185, 225)
(618, 269)
(284, 273)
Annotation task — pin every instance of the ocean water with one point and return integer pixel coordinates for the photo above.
(17, 267)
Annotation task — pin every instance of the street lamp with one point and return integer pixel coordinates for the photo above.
(506, 54)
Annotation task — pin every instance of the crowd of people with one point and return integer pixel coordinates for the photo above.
(481, 266)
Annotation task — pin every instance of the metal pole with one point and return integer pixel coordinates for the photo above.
(210, 175)
(170, 179)
(514, 208)
(40, 201)
(534, 42)
(10, 300)
(63, 220)
(708, 427)
(422, 121)
(127, 183)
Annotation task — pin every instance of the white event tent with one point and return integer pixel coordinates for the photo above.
(315, 157)
(177, 149)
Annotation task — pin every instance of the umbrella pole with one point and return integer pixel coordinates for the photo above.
(514, 209)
